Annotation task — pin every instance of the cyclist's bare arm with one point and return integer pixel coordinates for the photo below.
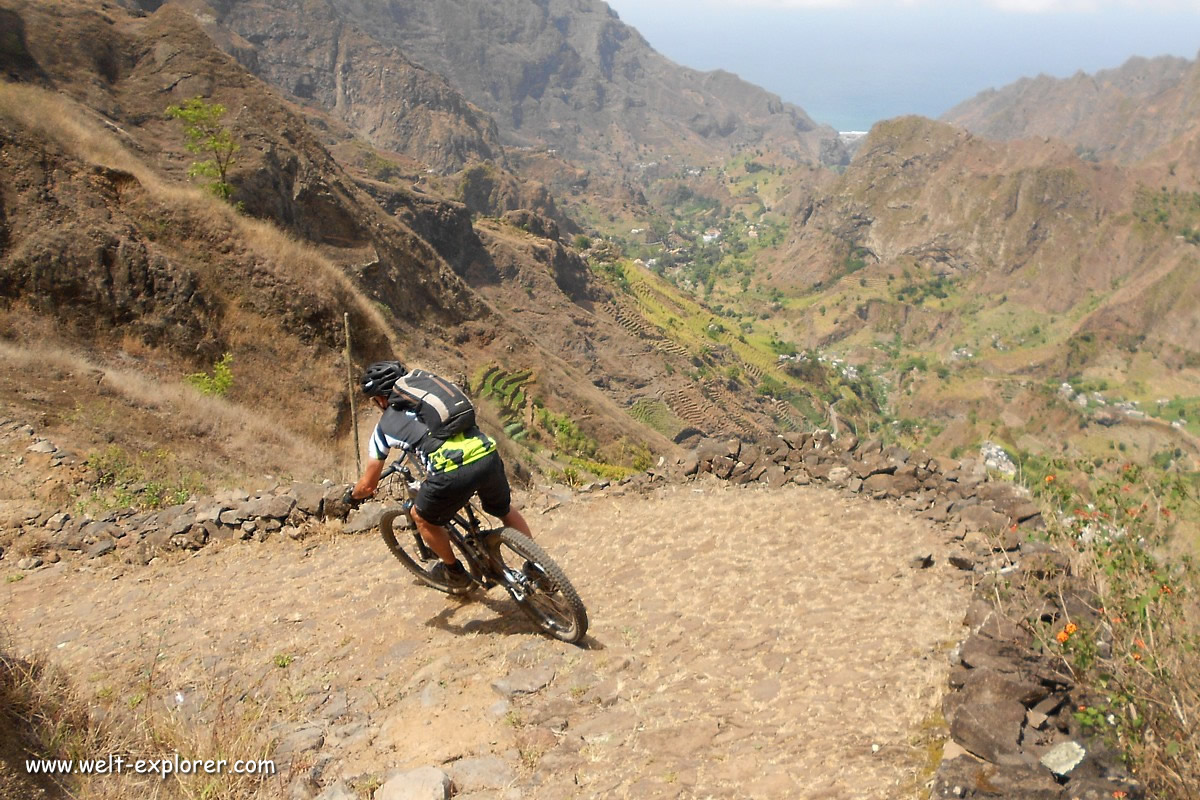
(369, 481)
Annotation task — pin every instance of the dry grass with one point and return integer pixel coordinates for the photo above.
(94, 140)
(235, 442)
(43, 716)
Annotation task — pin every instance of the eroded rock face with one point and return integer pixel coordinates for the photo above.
(547, 73)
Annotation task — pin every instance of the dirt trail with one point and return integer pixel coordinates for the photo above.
(745, 643)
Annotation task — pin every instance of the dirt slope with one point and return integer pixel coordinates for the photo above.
(745, 643)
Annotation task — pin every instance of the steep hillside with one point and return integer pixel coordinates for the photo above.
(569, 76)
(106, 250)
(1121, 114)
(975, 277)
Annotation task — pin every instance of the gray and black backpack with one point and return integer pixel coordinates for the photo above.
(442, 406)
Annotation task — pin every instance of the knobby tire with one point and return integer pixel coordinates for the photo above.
(560, 614)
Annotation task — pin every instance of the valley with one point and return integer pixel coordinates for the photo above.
(635, 269)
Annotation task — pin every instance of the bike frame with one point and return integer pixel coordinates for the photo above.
(469, 541)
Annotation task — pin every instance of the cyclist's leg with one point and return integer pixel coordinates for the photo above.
(435, 536)
(513, 519)
(496, 496)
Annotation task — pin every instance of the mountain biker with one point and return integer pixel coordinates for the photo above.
(456, 468)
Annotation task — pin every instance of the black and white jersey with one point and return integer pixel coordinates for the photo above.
(402, 429)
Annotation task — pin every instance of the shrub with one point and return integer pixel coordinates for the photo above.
(1136, 654)
(221, 380)
(207, 136)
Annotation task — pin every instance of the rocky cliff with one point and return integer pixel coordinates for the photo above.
(1122, 114)
(564, 75)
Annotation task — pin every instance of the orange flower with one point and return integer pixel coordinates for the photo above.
(1140, 643)
(1119, 794)
(1137, 656)
(1071, 628)
(1062, 637)
(1166, 589)
(1049, 479)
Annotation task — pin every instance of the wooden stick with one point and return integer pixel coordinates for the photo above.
(350, 388)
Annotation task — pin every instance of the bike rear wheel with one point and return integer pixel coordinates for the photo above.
(413, 554)
(546, 595)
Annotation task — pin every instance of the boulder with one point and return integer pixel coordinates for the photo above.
(879, 485)
(774, 476)
(425, 783)
(722, 467)
(365, 518)
(988, 721)
(481, 773)
(708, 450)
(331, 504)
(101, 547)
(965, 777)
(272, 506)
(846, 443)
(981, 518)
(796, 440)
(309, 497)
(839, 476)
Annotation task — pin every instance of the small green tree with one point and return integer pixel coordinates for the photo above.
(221, 380)
(206, 136)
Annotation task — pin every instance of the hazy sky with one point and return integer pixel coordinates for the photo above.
(853, 62)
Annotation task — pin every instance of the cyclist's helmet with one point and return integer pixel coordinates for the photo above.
(381, 376)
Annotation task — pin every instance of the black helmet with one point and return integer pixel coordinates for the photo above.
(381, 376)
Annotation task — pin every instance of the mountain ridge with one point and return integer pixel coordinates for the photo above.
(1124, 114)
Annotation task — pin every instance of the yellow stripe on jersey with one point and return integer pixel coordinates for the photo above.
(460, 450)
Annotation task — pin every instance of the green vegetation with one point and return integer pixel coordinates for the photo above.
(381, 169)
(1179, 409)
(568, 438)
(147, 480)
(219, 382)
(1135, 654)
(657, 415)
(917, 293)
(1169, 210)
(207, 136)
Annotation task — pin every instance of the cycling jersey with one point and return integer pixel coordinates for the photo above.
(405, 430)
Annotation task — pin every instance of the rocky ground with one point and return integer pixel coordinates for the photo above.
(745, 642)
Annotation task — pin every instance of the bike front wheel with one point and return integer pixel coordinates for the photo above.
(539, 585)
(401, 537)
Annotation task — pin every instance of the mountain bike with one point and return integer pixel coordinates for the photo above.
(492, 557)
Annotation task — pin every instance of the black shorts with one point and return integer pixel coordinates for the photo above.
(444, 493)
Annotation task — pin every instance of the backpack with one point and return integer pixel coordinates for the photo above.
(443, 407)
